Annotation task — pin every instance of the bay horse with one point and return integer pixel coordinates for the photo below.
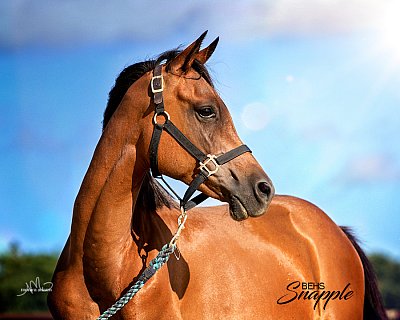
(291, 262)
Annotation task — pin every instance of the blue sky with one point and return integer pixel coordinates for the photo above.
(312, 87)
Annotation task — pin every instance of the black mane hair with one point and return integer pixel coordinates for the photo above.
(374, 308)
(133, 72)
(152, 195)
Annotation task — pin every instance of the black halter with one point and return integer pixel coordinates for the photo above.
(209, 164)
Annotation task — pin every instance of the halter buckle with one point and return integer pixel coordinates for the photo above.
(203, 165)
(157, 84)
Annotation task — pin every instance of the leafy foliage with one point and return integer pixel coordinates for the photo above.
(17, 269)
(388, 274)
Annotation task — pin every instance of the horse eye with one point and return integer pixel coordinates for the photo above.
(206, 112)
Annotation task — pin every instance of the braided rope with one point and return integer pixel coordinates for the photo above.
(155, 264)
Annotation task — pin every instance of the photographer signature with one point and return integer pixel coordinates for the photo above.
(35, 286)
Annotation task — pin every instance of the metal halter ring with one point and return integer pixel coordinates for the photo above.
(203, 165)
(165, 114)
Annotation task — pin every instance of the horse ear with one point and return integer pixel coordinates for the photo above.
(206, 53)
(184, 60)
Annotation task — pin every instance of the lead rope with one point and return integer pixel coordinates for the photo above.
(154, 265)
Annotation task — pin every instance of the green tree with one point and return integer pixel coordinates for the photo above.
(388, 274)
(18, 269)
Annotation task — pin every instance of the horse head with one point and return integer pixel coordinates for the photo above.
(192, 103)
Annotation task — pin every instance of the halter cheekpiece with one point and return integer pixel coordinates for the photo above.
(208, 164)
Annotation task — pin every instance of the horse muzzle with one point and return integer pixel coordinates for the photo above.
(251, 199)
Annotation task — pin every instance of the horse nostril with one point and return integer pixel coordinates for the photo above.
(265, 188)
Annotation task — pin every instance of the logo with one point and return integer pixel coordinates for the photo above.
(35, 286)
(297, 290)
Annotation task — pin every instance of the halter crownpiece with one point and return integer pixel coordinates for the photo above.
(208, 164)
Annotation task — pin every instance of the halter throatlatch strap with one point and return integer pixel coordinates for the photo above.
(209, 164)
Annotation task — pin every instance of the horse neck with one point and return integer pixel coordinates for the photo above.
(105, 202)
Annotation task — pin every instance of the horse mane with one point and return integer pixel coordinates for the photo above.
(133, 72)
(373, 302)
(152, 195)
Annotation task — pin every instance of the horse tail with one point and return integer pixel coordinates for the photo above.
(373, 303)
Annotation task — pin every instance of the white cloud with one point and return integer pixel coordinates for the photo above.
(24, 22)
(48, 22)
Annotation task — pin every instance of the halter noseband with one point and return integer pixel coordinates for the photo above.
(209, 164)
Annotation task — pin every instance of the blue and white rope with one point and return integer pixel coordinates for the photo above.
(153, 267)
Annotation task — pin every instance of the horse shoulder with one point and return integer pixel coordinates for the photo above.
(69, 297)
